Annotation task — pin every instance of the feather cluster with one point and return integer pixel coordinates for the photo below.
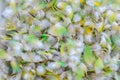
(59, 40)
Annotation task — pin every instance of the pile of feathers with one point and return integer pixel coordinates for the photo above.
(59, 40)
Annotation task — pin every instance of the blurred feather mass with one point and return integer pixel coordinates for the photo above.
(59, 40)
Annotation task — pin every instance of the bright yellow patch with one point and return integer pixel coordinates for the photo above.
(82, 22)
(96, 3)
(82, 1)
(88, 30)
(32, 11)
(58, 77)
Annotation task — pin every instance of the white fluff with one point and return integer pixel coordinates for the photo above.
(40, 70)
(8, 13)
(76, 18)
(68, 9)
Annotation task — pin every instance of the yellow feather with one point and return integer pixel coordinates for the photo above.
(82, 1)
(82, 22)
(88, 30)
(96, 3)
(10, 26)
